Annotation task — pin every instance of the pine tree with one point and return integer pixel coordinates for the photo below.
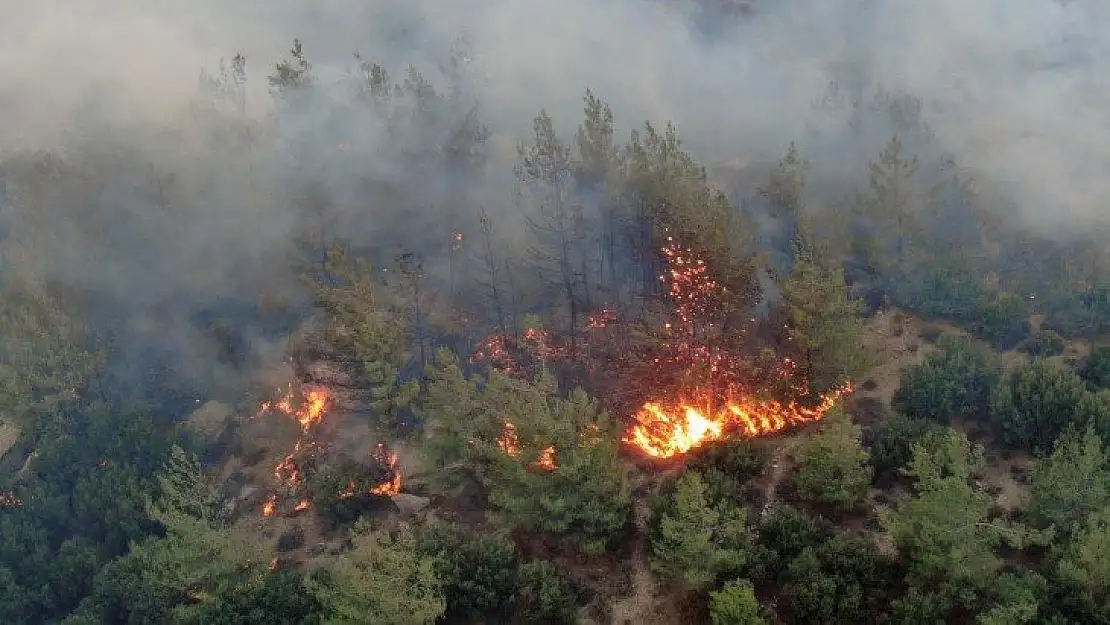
(887, 220)
(381, 580)
(545, 169)
(823, 323)
(832, 465)
(698, 539)
(945, 532)
(1071, 484)
(365, 326)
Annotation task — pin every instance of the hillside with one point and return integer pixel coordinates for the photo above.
(338, 344)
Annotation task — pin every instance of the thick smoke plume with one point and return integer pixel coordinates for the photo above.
(164, 219)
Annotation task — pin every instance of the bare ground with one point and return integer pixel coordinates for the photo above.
(646, 599)
(897, 340)
(9, 434)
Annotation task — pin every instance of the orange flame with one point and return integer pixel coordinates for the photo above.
(9, 500)
(510, 444)
(393, 485)
(665, 431)
(308, 412)
(349, 491)
(314, 401)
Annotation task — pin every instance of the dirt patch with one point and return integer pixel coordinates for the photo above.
(894, 339)
(1075, 352)
(9, 435)
(1001, 477)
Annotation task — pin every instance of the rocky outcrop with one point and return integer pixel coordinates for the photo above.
(410, 505)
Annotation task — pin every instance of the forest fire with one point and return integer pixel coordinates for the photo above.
(690, 343)
(664, 431)
(510, 444)
(392, 486)
(308, 411)
(9, 500)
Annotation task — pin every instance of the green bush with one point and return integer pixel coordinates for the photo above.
(832, 465)
(1044, 344)
(1003, 322)
(781, 537)
(1035, 403)
(282, 599)
(698, 537)
(341, 495)
(728, 465)
(1095, 370)
(544, 596)
(735, 604)
(892, 447)
(845, 580)
(950, 290)
(478, 573)
(738, 458)
(953, 382)
(1094, 412)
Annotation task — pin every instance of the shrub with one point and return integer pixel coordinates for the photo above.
(1094, 412)
(291, 539)
(842, 580)
(738, 458)
(281, 598)
(698, 537)
(1044, 344)
(545, 596)
(953, 382)
(781, 537)
(832, 465)
(892, 447)
(1003, 322)
(1035, 403)
(951, 290)
(1095, 370)
(341, 494)
(478, 573)
(735, 604)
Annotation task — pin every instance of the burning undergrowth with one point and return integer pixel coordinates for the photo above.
(301, 477)
(686, 375)
(692, 375)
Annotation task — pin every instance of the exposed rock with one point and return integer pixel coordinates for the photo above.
(329, 373)
(246, 493)
(211, 419)
(410, 505)
(9, 435)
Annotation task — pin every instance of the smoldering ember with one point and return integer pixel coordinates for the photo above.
(727, 312)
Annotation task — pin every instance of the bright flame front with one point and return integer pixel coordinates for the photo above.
(667, 430)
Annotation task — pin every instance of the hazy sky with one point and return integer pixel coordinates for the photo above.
(1017, 90)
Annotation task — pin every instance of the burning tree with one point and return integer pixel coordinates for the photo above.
(307, 406)
(348, 489)
(692, 369)
(706, 383)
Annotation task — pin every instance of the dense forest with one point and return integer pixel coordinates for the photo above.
(363, 359)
